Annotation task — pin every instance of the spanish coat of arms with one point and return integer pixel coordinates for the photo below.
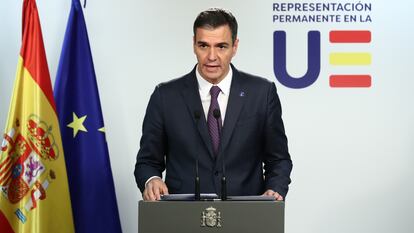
(22, 162)
(210, 217)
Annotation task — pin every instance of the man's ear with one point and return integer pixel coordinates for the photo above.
(194, 43)
(235, 46)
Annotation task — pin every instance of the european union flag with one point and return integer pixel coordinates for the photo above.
(91, 184)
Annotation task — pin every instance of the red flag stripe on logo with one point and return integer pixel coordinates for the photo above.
(350, 80)
(362, 36)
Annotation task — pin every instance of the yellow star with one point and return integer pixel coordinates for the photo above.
(102, 130)
(77, 124)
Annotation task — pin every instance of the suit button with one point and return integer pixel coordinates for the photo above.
(216, 173)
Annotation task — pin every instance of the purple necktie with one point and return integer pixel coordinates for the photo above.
(214, 125)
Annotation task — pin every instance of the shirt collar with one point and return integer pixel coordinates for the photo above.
(204, 86)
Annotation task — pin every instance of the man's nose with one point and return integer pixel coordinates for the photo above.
(212, 54)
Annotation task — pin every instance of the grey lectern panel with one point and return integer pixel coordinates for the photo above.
(211, 216)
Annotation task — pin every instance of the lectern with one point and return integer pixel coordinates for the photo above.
(211, 216)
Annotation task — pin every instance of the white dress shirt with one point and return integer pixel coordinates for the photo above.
(204, 88)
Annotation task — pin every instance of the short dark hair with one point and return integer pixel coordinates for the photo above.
(216, 17)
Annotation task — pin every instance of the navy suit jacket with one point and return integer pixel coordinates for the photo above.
(253, 143)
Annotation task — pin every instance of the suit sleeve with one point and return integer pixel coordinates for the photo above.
(151, 155)
(277, 161)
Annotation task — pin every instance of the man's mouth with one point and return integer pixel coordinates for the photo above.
(212, 67)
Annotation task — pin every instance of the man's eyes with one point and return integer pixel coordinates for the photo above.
(218, 46)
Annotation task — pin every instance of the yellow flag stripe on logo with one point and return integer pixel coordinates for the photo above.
(350, 59)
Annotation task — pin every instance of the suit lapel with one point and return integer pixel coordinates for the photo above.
(191, 97)
(234, 106)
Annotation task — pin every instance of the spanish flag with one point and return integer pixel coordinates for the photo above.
(34, 194)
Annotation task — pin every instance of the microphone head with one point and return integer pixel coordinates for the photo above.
(216, 113)
(197, 114)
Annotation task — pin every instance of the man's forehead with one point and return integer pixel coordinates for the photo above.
(217, 35)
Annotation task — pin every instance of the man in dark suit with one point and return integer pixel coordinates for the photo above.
(218, 116)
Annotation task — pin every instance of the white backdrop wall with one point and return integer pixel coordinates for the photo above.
(352, 149)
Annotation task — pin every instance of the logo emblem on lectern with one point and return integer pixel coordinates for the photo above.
(210, 217)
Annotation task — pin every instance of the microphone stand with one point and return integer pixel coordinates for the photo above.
(217, 115)
(197, 195)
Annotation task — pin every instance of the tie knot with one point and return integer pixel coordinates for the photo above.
(214, 91)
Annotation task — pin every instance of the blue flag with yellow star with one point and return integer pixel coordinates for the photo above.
(78, 106)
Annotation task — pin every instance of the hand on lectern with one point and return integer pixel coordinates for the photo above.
(154, 189)
(274, 194)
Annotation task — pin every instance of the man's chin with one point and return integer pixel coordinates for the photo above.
(212, 79)
(211, 75)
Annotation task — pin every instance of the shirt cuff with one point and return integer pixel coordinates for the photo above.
(151, 178)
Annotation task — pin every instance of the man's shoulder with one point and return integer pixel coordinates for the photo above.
(176, 82)
(253, 80)
(253, 77)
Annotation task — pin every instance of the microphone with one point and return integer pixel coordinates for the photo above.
(217, 115)
(197, 195)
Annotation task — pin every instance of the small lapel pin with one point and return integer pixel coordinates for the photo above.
(241, 93)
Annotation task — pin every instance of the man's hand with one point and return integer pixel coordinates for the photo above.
(274, 194)
(154, 189)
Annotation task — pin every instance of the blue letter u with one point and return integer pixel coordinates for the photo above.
(279, 60)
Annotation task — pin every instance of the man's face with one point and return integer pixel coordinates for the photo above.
(214, 50)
